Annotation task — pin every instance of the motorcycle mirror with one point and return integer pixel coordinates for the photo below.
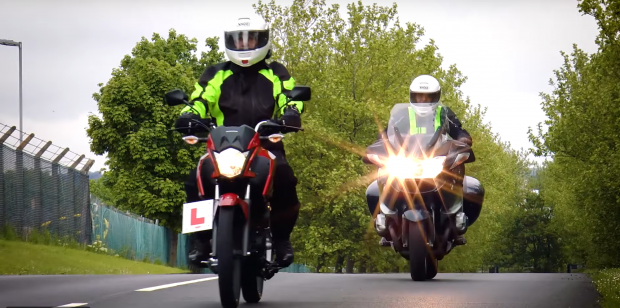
(176, 97)
(300, 93)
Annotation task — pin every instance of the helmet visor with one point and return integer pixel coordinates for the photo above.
(246, 39)
(424, 97)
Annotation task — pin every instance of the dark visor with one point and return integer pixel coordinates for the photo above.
(433, 96)
(246, 39)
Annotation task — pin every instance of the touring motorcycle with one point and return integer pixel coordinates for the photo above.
(238, 217)
(419, 189)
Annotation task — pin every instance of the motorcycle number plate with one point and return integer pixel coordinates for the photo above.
(197, 216)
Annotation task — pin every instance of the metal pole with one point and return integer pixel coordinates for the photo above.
(21, 128)
(18, 45)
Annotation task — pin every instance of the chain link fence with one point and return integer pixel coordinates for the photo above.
(43, 187)
(129, 235)
(46, 188)
(139, 238)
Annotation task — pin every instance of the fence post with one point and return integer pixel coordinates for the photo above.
(75, 222)
(19, 186)
(86, 214)
(39, 179)
(2, 194)
(57, 187)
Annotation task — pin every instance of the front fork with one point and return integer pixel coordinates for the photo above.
(268, 267)
(389, 224)
(212, 262)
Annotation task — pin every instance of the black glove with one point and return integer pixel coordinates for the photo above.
(465, 139)
(291, 117)
(185, 125)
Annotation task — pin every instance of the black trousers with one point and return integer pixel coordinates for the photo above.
(284, 202)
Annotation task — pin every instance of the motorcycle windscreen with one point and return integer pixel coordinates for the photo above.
(412, 133)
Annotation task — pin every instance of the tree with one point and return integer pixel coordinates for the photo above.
(583, 141)
(533, 243)
(99, 189)
(358, 69)
(147, 162)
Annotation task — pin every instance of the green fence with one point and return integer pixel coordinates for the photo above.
(135, 237)
(42, 187)
(139, 238)
(45, 187)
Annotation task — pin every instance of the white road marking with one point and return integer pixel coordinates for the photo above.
(73, 305)
(175, 284)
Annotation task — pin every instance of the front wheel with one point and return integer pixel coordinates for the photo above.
(228, 240)
(431, 267)
(253, 280)
(418, 253)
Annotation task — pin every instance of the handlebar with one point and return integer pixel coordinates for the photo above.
(273, 138)
(278, 124)
(259, 125)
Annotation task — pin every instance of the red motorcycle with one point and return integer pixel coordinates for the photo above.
(239, 216)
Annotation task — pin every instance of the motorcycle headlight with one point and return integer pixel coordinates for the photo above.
(407, 168)
(230, 162)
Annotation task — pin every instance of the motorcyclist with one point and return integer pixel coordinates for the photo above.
(246, 90)
(425, 89)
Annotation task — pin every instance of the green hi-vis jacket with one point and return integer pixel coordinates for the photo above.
(455, 128)
(232, 95)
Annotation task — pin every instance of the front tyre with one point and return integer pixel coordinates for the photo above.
(253, 279)
(229, 265)
(418, 254)
(431, 266)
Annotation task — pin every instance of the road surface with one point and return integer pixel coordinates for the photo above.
(304, 290)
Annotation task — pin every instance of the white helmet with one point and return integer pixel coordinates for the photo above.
(247, 41)
(424, 84)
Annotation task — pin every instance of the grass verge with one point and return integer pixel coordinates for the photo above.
(607, 282)
(22, 258)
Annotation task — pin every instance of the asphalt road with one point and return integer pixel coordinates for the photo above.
(304, 290)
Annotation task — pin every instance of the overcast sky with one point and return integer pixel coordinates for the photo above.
(507, 49)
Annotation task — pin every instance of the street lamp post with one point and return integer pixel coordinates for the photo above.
(19, 45)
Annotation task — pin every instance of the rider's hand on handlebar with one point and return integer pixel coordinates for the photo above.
(291, 117)
(186, 124)
(276, 121)
(207, 122)
(466, 140)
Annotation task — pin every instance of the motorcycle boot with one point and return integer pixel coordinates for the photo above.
(282, 225)
(381, 229)
(284, 252)
(461, 228)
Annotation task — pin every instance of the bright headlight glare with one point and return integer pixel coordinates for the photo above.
(407, 168)
(230, 162)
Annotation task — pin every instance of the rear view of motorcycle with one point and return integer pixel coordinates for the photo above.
(237, 218)
(418, 197)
